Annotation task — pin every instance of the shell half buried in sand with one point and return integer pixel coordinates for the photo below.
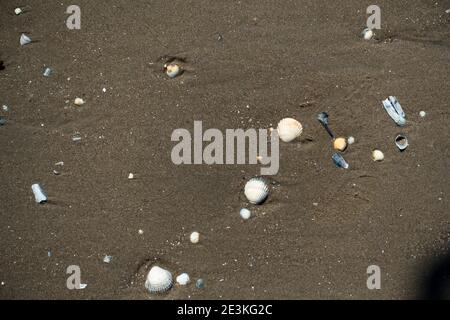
(24, 39)
(256, 190)
(289, 129)
(158, 280)
(173, 70)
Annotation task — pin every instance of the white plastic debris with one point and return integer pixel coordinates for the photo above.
(367, 34)
(39, 193)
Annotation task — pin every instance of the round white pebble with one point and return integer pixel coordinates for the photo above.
(130, 176)
(183, 279)
(350, 140)
(245, 214)
(422, 113)
(195, 237)
(141, 231)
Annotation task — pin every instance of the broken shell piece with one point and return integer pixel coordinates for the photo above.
(131, 176)
(422, 114)
(76, 137)
(256, 190)
(200, 284)
(195, 237)
(24, 39)
(289, 129)
(340, 144)
(367, 34)
(350, 140)
(79, 102)
(377, 155)
(183, 279)
(47, 72)
(5, 108)
(245, 213)
(394, 110)
(18, 11)
(172, 70)
(158, 280)
(401, 142)
(107, 259)
(339, 161)
(39, 193)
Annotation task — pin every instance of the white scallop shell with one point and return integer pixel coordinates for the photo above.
(256, 190)
(158, 280)
(289, 129)
(183, 279)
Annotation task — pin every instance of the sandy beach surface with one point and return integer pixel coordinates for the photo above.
(248, 65)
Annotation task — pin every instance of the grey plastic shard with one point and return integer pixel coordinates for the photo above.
(339, 161)
(394, 110)
(39, 193)
(24, 39)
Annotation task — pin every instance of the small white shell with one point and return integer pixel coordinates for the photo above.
(350, 140)
(18, 11)
(131, 176)
(172, 70)
(79, 102)
(158, 280)
(195, 237)
(377, 155)
(245, 214)
(367, 34)
(24, 39)
(183, 279)
(256, 190)
(289, 129)
(422, 114)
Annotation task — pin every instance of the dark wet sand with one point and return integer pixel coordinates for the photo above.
(283, 59)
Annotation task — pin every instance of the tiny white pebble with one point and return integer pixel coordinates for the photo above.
(79, 101)
(141, 231)
(422, 113)
(195, 237)
(245, 214)
(131, 176)
(183, 279)
(104, 90)
(351, 140)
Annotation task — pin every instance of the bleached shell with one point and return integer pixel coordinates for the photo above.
(289, 129)
(24, 39)
(18, 11)
(340, 144)
(158, 280)
(367, 34)
(377, 155)
(183, 279)
(256, 190)
(195, 237)
(173, 70)
(79, 101)
(350, 140)
(245, 214)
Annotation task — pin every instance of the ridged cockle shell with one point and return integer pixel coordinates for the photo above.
(289, 129)
(256, 190)
(158, 280)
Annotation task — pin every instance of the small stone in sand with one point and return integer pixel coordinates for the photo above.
(422, 113)
(79, 102)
